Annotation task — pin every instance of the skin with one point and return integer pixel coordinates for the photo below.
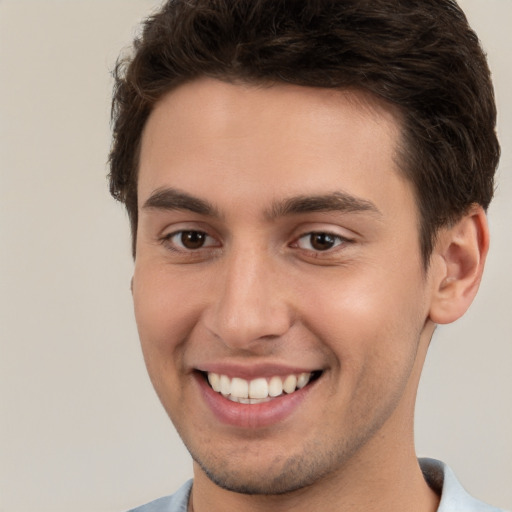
(259, 293)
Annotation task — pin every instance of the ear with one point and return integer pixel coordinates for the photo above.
(457, 263)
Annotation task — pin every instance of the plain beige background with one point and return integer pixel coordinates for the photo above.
(80, 426)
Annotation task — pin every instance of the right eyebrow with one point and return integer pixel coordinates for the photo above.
(173, 199)
(336, 201)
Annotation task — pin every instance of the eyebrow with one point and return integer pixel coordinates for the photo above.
(336, 201)
(173, 199)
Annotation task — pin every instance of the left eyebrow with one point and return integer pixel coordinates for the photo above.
(173, 199)
(337, 201)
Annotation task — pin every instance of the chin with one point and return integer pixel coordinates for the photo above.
(261, 482)
(269, 476)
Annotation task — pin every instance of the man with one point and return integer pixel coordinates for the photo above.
(307, 185)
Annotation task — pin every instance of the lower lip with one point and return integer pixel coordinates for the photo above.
(252, 416)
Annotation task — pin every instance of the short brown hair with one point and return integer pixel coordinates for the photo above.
(420, 55)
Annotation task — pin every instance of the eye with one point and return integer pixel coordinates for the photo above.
(319, 241)
(190, 240)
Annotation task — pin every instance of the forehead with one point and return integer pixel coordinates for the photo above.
(226, 139)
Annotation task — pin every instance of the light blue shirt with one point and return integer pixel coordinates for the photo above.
(438, 475)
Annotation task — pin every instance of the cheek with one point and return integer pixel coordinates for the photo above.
(373, 334)
(366, 315)
(163, 320)
(162, 305)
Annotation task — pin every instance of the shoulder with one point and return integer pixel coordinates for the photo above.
(454, 498)
(177, 502)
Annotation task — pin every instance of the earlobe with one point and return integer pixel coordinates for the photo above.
(458, 263)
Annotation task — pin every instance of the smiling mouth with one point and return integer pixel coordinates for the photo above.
(259, 390)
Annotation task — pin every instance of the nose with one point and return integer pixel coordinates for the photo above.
(249, 302)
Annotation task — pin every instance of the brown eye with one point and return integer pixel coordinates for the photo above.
(319, 241)
(322, 241)
(189, 240)
(192, 239)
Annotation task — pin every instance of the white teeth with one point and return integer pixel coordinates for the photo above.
(257, 390)
(225, 385)
(253, 400)
(289, 384)
(214, 380)
(303, 380)
(239, 388)
(275, 387)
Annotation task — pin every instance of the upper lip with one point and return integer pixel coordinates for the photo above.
(253, 371)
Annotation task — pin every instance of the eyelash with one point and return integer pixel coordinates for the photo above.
(167, 240)
(336, 240)
(324, 237)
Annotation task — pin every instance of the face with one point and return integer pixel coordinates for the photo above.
(279, 290)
